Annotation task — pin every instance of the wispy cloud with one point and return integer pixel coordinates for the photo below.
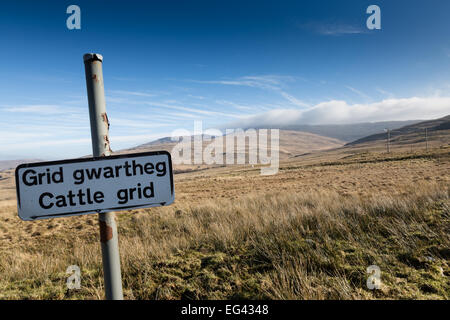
(358, 92)
(121, 122)
(385, 93)
(271, 82)
(45, 143)
(13, 137)
(161, 106)
(203, 111)
(123, 78)
(238, 106)
(294, 100)
(196, 97)
(39, 109)
(47, 78)
(333, 28)
(275, 83)
(133, 93)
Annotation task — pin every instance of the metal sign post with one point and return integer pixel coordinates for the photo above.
(101, 184)
(100, 148)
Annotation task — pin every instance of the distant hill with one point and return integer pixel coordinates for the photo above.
(291, 143)
(156, 142)
(438, 129)
(162, 141)
(348, 132)
(12, 164)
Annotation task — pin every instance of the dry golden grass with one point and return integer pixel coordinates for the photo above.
(308, 232)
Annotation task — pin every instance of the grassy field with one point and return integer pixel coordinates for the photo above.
(309, 232)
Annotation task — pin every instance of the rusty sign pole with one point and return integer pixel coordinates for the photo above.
(101, 148)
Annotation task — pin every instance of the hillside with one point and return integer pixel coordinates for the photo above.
(438, 131)
(292, 143)
(348, 132)
(11, 164)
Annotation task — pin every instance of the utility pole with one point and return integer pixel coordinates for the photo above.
(100, 148)
(388, 141)
(426, 138)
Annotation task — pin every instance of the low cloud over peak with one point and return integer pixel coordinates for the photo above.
(340, 112)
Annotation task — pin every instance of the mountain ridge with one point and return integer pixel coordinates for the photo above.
(346, 132)
(409, 133)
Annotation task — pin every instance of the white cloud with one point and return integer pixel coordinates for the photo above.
(340, 112)
(39, 109)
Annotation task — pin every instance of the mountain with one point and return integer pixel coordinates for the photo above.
(291, 143)
(348, 132)
(162, 141)
(12, 164)
(156, 142)
(438, 130)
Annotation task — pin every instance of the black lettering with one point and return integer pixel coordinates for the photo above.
(32, 181)
(61, 201)
(139, 191)
(137, 165)
(127, 166)
(117, 171)
(78, 176)
(98, 197)
(71, 195)
(161, 169)
(88, 195)
(41, 176)
(108, 172)
(148, 168)
(48, 176)
(80, 195)
(58, 176)
(94, 173)
(122, 195)
(149, 189)
(41, 200)
(132, 190)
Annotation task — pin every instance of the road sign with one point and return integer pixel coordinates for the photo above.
(94, 185)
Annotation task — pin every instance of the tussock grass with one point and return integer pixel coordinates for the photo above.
(283, 245)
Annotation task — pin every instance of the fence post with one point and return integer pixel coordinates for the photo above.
(100, 148)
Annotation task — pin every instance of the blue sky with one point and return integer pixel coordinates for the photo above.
(227, 63)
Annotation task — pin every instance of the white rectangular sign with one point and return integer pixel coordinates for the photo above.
(93, 185)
